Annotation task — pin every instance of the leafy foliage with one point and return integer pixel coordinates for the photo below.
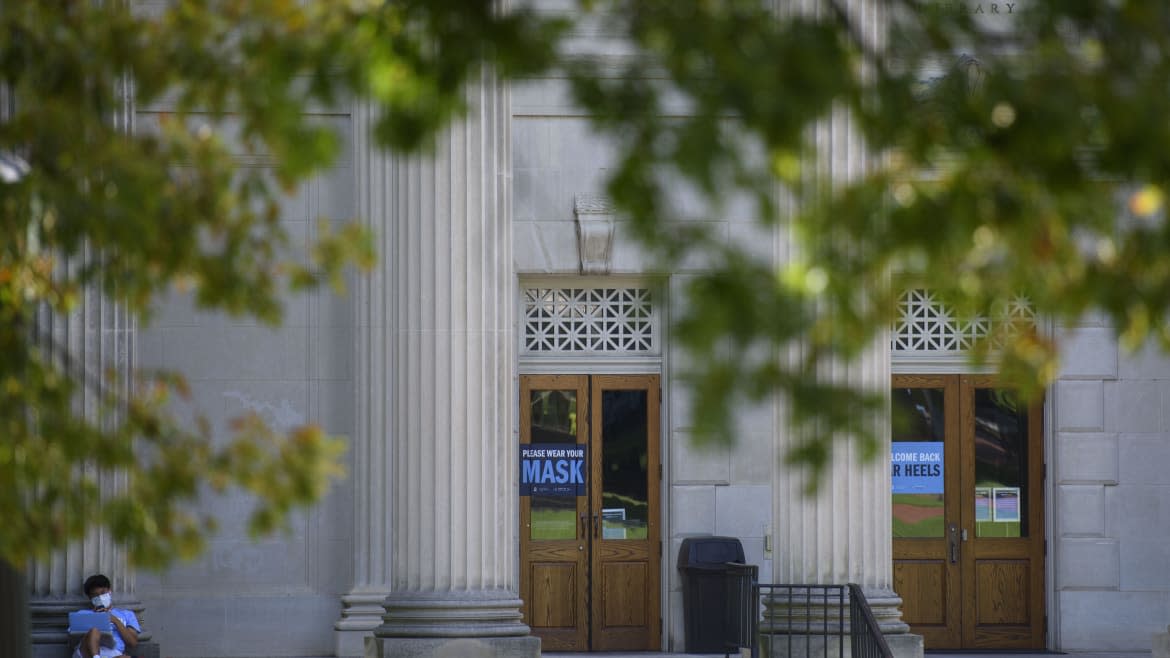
(1008, 155)
(136, 213)
(1021, 155)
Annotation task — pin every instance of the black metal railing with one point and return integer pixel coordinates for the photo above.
(804, 620)
(813, 621)
(865, 637)
(743, 608)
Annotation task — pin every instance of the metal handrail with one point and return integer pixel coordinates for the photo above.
(743, 608)
(802, 615)
(866, 638)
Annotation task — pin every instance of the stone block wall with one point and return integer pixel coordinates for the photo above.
(1111, 495)
(280, 595)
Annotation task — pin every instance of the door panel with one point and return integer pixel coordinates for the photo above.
(626, 550)
(923, 537)
(998, 601)
(1003, 453)
(590, 564)
(623, 597)
(555, 586)
(554, 529)
(923, 584)
(973, 579)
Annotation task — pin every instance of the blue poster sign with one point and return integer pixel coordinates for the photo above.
(917, 467)
(552, 469)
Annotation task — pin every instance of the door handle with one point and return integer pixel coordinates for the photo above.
(953, 542)
(596, 526)
(584, 524)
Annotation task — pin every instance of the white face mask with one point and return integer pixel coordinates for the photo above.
(101, 600)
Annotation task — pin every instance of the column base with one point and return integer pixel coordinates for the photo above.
(902, 645)
(453, 624)
(905, 645)
(351, 643)
(449, 614)
(361, 614)
(462, 647)
(887, 610)
(799, 646)
(50, 621)
(806, 620)
(1161, 644)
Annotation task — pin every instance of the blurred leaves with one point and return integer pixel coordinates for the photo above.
(989, 158)
(232, 101)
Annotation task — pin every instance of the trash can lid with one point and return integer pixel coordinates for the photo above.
(699, 552)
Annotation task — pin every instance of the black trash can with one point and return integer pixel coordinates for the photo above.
(703, 564)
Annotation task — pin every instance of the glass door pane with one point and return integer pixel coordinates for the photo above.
(624, 484)
(1001, 464)
(917, 463)
(554, 423)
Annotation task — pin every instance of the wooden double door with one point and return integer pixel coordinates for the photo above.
(968, 513)
(589, 511)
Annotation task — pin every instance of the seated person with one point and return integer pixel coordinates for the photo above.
(95, 644)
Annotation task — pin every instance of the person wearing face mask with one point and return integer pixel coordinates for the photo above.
(95, 644)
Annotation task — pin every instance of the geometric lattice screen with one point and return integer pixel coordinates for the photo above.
(589, 321)
(926, 325)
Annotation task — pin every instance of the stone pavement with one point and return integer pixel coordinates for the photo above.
(640, 655)
(643, 654)
(929, 655)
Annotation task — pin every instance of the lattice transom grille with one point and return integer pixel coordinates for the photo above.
(926, 325)
(589, 320)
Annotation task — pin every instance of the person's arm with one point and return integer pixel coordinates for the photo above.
(129, 633)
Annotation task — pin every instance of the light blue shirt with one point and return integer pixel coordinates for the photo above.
(128, 618)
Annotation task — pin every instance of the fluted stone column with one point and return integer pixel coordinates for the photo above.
(96, 337)
(844, 534)
(451, 371)
(362, 607)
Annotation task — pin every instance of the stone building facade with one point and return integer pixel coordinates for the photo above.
(422, 365)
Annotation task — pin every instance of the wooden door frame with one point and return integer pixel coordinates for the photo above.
(580, 638)
(950, 633)
(601, 549)
(960, 473)
(589, 387)
(992, 549)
